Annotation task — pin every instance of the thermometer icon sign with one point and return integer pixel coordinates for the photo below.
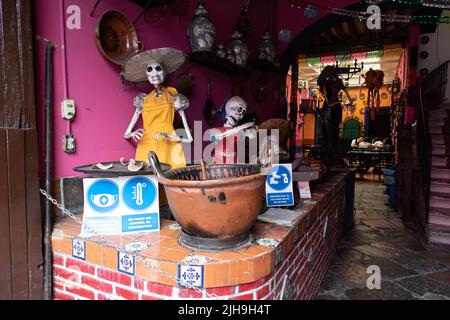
(137, 193)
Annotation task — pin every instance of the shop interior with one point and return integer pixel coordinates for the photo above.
(241, 150)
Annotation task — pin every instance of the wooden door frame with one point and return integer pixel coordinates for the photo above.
(21, 274)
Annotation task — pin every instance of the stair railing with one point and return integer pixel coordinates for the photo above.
(432, 94)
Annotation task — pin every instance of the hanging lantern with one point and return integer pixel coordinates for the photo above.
(201, 32)
(237, 50)
(267, 49)
(311, 11)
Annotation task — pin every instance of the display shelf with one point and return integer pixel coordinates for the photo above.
(154, 3)
(263, 65)
(210, 60)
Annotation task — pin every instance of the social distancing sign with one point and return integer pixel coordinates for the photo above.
(279, 191)
(120, 205)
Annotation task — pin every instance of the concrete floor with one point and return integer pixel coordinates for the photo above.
(408, 269)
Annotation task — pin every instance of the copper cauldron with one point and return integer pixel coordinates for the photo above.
(215, 205)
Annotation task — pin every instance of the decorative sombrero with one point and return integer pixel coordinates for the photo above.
(134, 71)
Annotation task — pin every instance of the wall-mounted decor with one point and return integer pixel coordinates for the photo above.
(285, 35)
(201, 31)
(116, 37)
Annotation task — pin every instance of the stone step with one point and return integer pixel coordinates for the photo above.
(442, 106)
(440, 139)
(440, 174)
(440, 189)
(440, 162)
(440, 203)
(439, 220)
(440, 150)
(438, 114)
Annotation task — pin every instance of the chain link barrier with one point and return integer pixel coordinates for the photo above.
(122, 248)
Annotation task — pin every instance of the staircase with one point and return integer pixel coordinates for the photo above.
(439, 205)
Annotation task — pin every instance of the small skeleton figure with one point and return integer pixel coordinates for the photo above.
(158, 107)
(228, 137)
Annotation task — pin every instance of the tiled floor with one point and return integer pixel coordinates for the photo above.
(408, 269)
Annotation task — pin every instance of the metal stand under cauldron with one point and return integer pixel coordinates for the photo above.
(214, 244)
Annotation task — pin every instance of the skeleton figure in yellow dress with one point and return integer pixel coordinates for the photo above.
(158, 107)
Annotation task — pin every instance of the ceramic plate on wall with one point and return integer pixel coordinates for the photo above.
(384, 95)
(362, 96)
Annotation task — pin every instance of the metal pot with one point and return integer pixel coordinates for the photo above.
(215, 205)
(116, 37)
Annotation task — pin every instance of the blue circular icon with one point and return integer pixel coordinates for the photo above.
(139, 193)
(280, 178)
(103, 195)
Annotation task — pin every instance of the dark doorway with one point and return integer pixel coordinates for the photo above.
(380, 126)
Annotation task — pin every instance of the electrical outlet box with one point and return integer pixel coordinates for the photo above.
(69, 143)
(68, 109)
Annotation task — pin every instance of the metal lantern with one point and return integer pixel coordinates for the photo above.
(237, 50)
(311, 11)
(266, 49)
(201, 32)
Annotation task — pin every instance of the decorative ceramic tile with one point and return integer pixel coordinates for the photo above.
(191, 275)
(288, 289)
(174, 226)
(267, 242)
(193, 258)
(136, 246)
(278, 255)
(126, 263)
(79, 248)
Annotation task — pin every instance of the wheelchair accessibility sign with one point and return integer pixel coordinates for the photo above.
(279, 190)
(120, 205)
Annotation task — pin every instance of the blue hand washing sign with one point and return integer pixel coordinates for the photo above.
(103, 195)
(279, 190)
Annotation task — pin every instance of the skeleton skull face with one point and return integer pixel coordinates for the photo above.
(235, 109)
(155, 73)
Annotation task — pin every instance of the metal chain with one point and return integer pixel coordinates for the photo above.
(122, 248)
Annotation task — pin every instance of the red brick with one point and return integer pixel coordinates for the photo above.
(248, 296)
(96, 284)
(160, 289)
(66, 274)
(58, 285)
(261, 293)
(79, 265)
(127, 294)
(252, 285)
(269, 297)
(58, 295)
(147, 297)
(81, 292)
(114, 276)
(223, 291)
(189, 293)
(139, 284)
(101, 297)
(58, 260)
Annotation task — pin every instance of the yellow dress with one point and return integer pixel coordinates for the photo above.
(157, 116)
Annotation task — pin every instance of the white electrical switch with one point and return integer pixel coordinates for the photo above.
(69, 143)
(68, 109)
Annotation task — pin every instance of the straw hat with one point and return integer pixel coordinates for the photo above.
(134, 71)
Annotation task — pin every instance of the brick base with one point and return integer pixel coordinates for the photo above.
(303, 270)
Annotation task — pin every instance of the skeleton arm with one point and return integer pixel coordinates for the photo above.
(223, 135)
(180, 103)
(137, 134)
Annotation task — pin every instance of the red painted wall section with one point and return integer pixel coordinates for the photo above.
(104, 104)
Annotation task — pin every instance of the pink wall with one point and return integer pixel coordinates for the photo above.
(104, 105)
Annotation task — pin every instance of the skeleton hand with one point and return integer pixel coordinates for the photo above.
(250, 133)
(167, 136)
(180, 102)
(135, 135)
